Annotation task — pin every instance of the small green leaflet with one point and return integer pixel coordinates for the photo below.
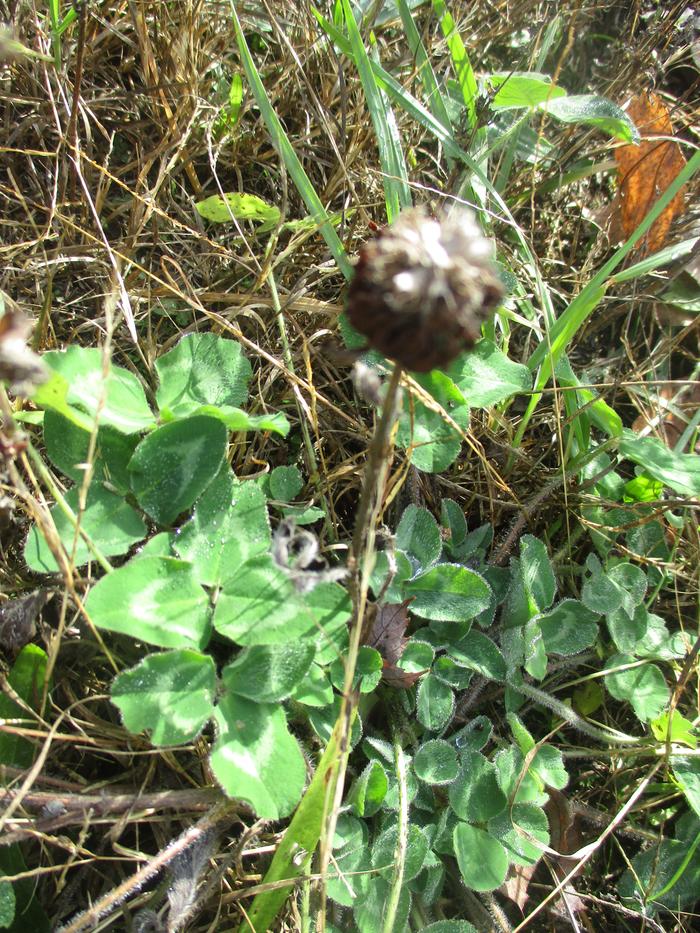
(485, 376)
(154, 599)
(170, 695)
(239, 207)
(681, 472)
(255, 758)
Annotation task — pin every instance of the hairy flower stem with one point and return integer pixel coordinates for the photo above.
(361, 556)
(360, 559)
(218, 818)
(401, 849)
(569, 715)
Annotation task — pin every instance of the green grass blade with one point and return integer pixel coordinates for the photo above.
(599, 412)
(54, 14)
(554, 346)
(431, 87)
(398, 93)
(67, 21)
(460, 61)
(588, 298)
(396, 189)
(562, 332)
(551, 39)
(656, 261)
(288, 155)
(585, 168)
(55, 19)
(509, 142)
(418, 112)
(294, 853)
(657, 895)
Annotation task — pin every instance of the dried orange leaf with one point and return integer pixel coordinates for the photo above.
(645, 171)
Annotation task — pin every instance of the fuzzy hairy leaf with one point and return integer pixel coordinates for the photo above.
(255, 758)
(435, 703)
(229, 526)
(569, 627)
(644, 686)
(482, 859)
(485, 375)
(268, 673)
(475, 795)
(173, 465)
(119, 399)
(112, 525)
(170, 695)
(202, 369)
(448, 592)
(155, 599)
(259, 606)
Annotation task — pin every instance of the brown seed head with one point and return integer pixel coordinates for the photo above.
(423, 287)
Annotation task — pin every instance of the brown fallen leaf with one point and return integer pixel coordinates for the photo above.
(18, 618)
(20, 367)
(388, 637)
(646, 170)
(388, 631)
(397, 677)
(565, 837)
(517, 883)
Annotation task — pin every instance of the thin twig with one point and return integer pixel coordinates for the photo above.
(72, 134)
(583, 855)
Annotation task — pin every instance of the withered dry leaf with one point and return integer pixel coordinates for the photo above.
(396, 677)
(20, 367)
(388, 630)
(566, 838)
(516, 884)
(388, 637)
(18, 617)
(645, 171)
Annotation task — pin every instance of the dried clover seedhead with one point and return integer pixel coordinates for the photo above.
(423, 287)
